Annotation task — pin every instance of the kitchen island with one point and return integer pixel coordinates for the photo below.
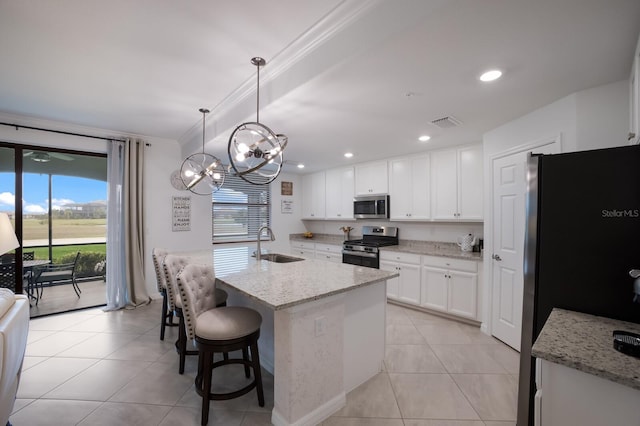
(323, 329)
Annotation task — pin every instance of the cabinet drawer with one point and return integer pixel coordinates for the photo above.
(450, 263)
(395, 256)
(302, 244)
(328, 248)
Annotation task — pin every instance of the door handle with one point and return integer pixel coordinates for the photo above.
(496, 257)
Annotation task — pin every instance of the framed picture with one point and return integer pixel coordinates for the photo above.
(286, 188)
(286, 206)
(181, 213)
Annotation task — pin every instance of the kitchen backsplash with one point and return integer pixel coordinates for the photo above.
(421, 231)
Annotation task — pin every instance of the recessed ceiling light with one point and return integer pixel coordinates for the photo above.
(491, 75)
(348, 154)
(301, 166)
(424, 138)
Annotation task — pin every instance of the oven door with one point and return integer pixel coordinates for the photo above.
(370, 260)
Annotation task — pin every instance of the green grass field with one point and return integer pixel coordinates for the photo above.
(37, 229)
(60, 251)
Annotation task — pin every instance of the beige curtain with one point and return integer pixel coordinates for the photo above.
(125, 225)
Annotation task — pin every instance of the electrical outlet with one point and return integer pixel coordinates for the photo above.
(320, 326)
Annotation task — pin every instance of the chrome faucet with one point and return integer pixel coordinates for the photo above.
(258, 249)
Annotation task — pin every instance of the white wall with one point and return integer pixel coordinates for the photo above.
(589, 119)
(284, 224)
(162, 157)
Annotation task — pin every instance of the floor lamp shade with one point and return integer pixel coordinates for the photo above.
(8, 240)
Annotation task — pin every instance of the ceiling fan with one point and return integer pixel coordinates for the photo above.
(44, 157)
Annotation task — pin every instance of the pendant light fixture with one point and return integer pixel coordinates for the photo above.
(255, 151)
(202, 173)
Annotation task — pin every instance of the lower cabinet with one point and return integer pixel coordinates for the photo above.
(303, 248)
(406, 287)
(329, 252)
(450, 285)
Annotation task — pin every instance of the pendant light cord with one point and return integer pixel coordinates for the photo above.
(204, 112)
(258, 96)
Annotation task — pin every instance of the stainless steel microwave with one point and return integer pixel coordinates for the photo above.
(371, 207)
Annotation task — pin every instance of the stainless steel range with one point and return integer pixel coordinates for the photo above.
(365, 252)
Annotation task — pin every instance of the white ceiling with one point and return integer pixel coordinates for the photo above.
(357, 75)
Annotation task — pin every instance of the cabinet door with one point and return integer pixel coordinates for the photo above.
(339, 193)
(444, 185)
(400, 188)
(421, 188)
(393, 284)
(409, 290)
(470, 183)
(462, 297)
(313, 196)
(372, 178)
(434, 288)
(329, 257)
(634, 98)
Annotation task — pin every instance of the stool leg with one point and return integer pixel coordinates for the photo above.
(255, 358)
(164, 314)
(206, 384)
(182, 344)
(245, 356)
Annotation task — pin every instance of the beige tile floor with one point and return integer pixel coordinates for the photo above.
(96, 368)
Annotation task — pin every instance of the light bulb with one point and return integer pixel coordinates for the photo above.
(243, 148)
(240, 156)
(216, 176)
(188, 173)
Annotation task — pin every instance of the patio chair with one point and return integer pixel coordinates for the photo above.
(56, 273)
(8, 276)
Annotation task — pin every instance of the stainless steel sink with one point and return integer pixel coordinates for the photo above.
(280, 258)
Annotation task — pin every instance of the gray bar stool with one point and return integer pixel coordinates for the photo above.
(166, 319)
(219, 330)
(172, 265)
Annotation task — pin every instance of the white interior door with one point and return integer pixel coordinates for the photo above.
(509, 189)
(509, 192)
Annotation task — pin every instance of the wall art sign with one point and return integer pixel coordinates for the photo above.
(181, 214)
(286, 188)
(286, 207)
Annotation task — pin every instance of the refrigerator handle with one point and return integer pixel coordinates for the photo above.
(635, 274)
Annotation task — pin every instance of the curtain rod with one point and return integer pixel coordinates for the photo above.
(62, 132)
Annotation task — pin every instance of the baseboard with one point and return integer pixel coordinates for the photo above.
(316, 416)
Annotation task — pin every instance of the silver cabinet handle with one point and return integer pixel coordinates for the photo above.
(496, 257)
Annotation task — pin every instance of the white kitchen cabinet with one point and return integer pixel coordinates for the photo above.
(371, 178)
(634, 98)
(566, 396)
(409, 188)
(339, 193)
(313, 196)
(408, 283)
(328, 252)
(302, 248)
(456, 184)
(393, 284)
(450, 285)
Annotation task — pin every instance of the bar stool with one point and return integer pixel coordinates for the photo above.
(218, 330)
(166, 320)
(172, 265)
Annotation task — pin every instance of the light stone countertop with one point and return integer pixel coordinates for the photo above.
(428, 248)
(585, 342)
(282, 285)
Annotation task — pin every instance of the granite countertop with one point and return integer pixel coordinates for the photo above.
(585, 342)
(282, 285)
(429, 248)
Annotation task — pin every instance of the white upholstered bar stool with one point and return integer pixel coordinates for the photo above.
(221, 330)
(166, 320)
(172, 265)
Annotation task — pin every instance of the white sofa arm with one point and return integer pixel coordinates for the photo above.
(14, 327)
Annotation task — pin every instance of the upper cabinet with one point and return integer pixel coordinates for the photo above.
(634, 98)
(456, 184)
(409, 188)
(313, 196)
(372, 178)
(339, 193)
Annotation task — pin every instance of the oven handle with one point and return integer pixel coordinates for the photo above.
(360, 253)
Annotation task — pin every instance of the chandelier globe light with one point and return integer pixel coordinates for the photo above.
(255, 151)
(202, 173)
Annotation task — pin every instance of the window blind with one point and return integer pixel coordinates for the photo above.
(239, 210)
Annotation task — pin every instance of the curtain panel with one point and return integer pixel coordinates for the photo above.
(125, 225)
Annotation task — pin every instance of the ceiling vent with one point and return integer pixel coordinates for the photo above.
(446, 122)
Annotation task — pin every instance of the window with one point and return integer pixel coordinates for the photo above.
(239, 210)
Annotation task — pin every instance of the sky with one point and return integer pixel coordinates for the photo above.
(65, 190)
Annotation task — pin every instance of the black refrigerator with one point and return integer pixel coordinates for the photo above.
(582, 238)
